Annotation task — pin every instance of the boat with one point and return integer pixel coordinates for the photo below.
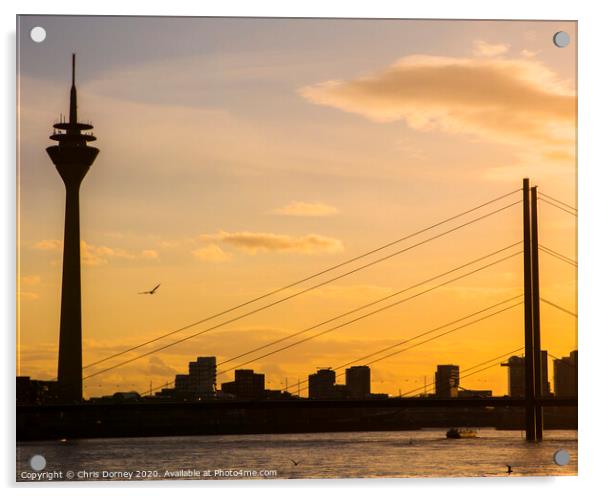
(455, 433)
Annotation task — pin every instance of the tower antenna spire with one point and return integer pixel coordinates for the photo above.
(73, 99)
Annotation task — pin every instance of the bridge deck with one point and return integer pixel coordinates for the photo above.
(303, 403)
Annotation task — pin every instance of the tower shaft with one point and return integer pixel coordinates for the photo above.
(70, 334)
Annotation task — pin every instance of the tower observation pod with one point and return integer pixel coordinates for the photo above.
(72, 157)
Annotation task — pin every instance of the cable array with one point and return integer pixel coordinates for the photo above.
(374, 357)
(560, 205)
(559, 307)
(557, 255)
(322, 272)
(289, 297)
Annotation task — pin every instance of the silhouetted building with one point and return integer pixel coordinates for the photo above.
(378, 396)
(339, 392)
(72, 158)
(276, 394)
(202, 376)
(475, 393)
(200, 381)
(545, 382)
(247, 385)
(181, 382)
(516, 375)
(34, 392)
(565, 375)
(165, 394)
(357, 380)
(447, 380)
(321, 384)
(119, 397)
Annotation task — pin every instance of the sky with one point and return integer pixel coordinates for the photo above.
(240, 155)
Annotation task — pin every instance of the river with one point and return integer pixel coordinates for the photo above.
(424, 453)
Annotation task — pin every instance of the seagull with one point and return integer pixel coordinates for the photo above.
(152, 291)
(509, 469)
(294, 462)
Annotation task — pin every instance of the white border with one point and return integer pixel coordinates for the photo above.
(590, 161)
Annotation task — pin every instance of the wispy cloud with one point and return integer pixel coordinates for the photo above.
(49, 245)
(529, 53)
(303, 209)
(32, 280)
(482, 48)
(254, 242)
(211, 253)
(28, 282)
(93, 255)
(156, 366)
(27, 295)
(149, 254)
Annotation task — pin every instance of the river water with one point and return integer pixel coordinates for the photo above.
(424, 453)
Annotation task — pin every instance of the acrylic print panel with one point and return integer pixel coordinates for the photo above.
(295, 248)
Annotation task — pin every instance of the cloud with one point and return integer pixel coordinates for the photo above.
(27, 295)
(100, 255)
(49, 245)
(211, 253)
(529, 53)
(171, 243)
(519, 102)
(93, 255)
(156, 366)
(254, 242)
(302, 209)
(149, 254)
(30, 280)
(482, 48)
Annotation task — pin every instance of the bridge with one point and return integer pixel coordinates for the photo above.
(152, 418)
(529, 248)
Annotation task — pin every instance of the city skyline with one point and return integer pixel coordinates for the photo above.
(239, 234)
(201, 382)
(564, 379)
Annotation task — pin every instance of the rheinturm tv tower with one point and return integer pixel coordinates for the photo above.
(72, 158)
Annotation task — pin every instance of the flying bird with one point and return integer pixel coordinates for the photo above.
(152, 291)
(294, 462)
(509, 469)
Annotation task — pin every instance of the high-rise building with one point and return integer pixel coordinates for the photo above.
(565, 375)
(202, 376)
(72, 158)
(516, 375)
(357, 380)
(321, 384)
(199, 383)
(447, 380)
(247, 385)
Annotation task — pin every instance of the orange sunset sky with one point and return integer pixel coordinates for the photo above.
(240, 155)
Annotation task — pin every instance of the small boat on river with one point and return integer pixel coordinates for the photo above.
(455, 433)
